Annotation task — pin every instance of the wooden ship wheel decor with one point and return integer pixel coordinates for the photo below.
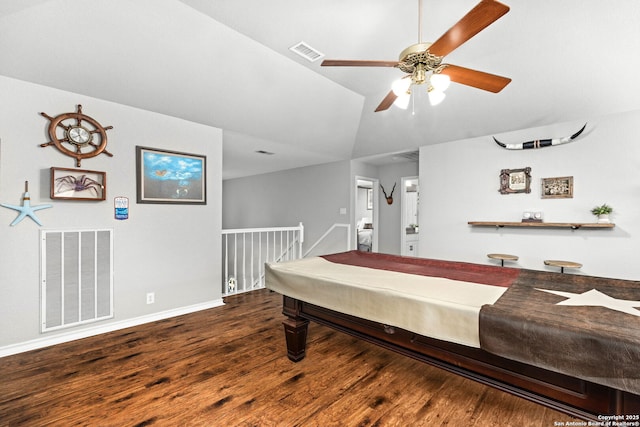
(77, 135)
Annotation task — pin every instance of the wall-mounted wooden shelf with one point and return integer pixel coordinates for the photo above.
(572, 225)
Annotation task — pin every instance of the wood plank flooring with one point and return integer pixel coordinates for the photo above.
(227, 366)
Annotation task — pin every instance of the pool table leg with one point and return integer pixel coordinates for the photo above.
(295, 332)
(295, 328)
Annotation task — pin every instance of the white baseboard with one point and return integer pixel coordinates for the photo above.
(110, 327)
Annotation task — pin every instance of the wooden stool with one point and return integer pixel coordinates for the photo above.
(562, 264)
(503, 257)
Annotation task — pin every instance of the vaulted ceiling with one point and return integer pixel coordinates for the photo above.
(227, 63)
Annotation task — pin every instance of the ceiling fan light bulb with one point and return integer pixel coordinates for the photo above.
(436, 97)
(440, 82)
(401, 86)
(402, 101)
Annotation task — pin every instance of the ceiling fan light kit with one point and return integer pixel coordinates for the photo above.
(401, 86)
(436, 96)
(402, 101)
(437, 84)
(440, 82)
(423, 61)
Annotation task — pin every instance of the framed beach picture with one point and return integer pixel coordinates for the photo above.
(170, 177)
(78, 184)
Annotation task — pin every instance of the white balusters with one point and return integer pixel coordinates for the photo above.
(250, 251)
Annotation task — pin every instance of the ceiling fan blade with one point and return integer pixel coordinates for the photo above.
(477, 79)
(357, 63)
(387, 102)
(480, 17)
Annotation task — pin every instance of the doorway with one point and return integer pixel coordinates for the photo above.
(366, 214)
(409, 206)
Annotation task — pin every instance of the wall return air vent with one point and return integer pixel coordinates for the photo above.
(306, 51)
(76, 269)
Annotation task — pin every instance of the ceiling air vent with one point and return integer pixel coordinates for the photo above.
(306, 51)
(413, 156)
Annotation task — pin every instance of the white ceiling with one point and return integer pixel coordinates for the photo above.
(226, 63)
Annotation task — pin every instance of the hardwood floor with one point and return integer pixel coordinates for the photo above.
(227, 366)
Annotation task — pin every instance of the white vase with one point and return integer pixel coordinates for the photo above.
(603, 219)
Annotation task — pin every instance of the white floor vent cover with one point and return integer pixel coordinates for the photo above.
(76, 270)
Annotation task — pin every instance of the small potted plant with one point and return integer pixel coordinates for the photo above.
(602, 212)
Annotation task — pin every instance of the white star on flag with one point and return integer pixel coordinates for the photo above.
(595, 298)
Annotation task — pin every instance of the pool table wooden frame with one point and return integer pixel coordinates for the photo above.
(573, 396)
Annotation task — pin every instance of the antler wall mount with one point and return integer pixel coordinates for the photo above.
(390, 196)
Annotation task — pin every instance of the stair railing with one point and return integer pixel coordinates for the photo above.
(327, 234)
(246, 250)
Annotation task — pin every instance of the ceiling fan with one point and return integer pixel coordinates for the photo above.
(422, 58)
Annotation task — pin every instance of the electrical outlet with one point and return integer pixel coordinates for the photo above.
(151, 298)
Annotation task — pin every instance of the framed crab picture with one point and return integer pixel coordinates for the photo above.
(78, 184)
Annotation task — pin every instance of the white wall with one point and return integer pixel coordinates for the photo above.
(171, 250)
(390, 215)
(312, 195)
(459, 182)
(388, 221)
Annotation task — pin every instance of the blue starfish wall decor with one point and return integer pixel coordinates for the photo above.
(26, 210)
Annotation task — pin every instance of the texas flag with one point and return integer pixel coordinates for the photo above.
(583, 326)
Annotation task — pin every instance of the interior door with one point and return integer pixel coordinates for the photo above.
(366, 214)
(409, 228)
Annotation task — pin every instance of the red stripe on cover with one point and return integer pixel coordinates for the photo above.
(463, 271)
